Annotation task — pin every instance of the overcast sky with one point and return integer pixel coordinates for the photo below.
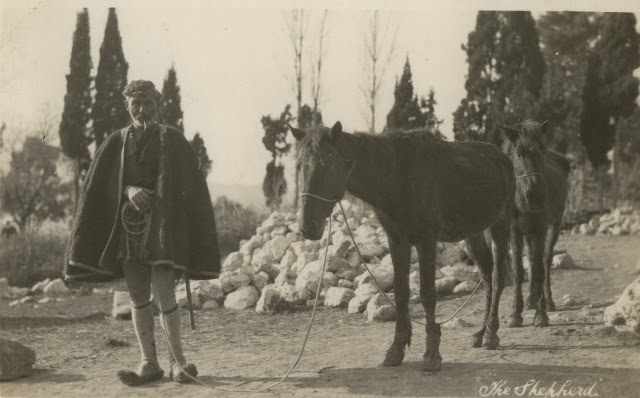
(234, 59)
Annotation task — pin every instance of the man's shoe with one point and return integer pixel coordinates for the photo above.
(179, 376)
(147, 372)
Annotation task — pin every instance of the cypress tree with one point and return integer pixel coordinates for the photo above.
(405, 113)
(197, 143)
(109, 112)
(77, 101)
(170, 108)
(505, 74)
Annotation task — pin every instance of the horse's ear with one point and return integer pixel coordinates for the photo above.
(544, 127)
(509, 133)
(297, 133)
(336, 132)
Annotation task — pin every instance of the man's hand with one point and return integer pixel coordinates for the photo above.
(140, 197)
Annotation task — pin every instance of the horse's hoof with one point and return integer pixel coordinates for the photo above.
(477, 341)
(541, 320)
(516, 322)
(491, 342)
(432, 363)
(393, 358)
(551, 306)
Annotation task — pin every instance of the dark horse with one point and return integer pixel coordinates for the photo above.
(424, 190)
(541, 194)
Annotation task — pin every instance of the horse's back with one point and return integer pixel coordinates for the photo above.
(476, 183)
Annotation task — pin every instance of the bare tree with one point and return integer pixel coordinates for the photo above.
(297, 26)
(379, 46)
(316, 91)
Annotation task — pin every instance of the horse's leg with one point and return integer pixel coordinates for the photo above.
(530, 301)
(401, 256)
(431, 361)
(499, 248)
(550, 243)
(537, 275)
(518, 272)
(481, 254)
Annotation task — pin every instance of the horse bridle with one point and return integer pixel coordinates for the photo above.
(325, 199)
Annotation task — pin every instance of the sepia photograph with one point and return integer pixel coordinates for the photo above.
(319, 198)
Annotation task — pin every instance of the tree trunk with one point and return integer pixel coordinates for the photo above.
(76, 183)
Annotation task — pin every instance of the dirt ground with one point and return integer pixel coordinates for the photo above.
(244, 350)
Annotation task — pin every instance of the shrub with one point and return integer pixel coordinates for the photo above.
(234, 223)
(32, 256)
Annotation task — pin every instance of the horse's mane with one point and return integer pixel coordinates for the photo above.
(387, 145)
(530, 139)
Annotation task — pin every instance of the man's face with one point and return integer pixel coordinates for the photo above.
(142, 108)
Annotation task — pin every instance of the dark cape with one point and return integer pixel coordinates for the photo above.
(182, 220)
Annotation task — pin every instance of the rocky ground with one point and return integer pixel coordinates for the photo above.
(79, 346)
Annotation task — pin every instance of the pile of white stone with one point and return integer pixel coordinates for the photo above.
(40, 293)
(623, 220)
(277, 268)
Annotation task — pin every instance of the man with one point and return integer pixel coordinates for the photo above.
(145, 214)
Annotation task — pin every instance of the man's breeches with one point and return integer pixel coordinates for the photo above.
(141, 280)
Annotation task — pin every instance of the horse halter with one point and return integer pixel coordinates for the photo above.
(530, 175)
(325, 199)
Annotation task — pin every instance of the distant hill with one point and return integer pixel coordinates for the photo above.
(247, 195)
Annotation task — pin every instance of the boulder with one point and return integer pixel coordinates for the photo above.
(121, 308)
(338, 297)
(345, 283)
(262, 256)
(586, 229)
(249, 246)
(210, 305)
(230, 281)
(280, 230)
(462, 272)
(210, 291)
(16, 360)
(329, 279)
(309, 276)
(260, 280)
(562, 261)
(293, 295)
(181, 298)
(304, 258)
(269, 300)
(445, 285)
(371, 250)
(38, 288)
(383, 274)
(451, 253)
(414, 284)
(278, 247)
(56, 288)
(624, 314)
(288, 260)
(358, 304)
(367, 289)
(233, 261)
(457, 323)
(243, 297)
(347, 273)
(379, 309)
(287, 276)
(465, 287)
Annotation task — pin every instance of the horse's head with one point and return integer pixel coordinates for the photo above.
(322, 175)
(525, 145)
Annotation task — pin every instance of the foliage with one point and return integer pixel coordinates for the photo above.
(274, 184)
(170, 108)
(405, 114)
(197, 143)
(77, 101)
(504, 78)
(432, 123)
(566, 39)
(32, 189)
(234, 223)
(109, 112)
(610, 89)
(33, 256)
(308, 118)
